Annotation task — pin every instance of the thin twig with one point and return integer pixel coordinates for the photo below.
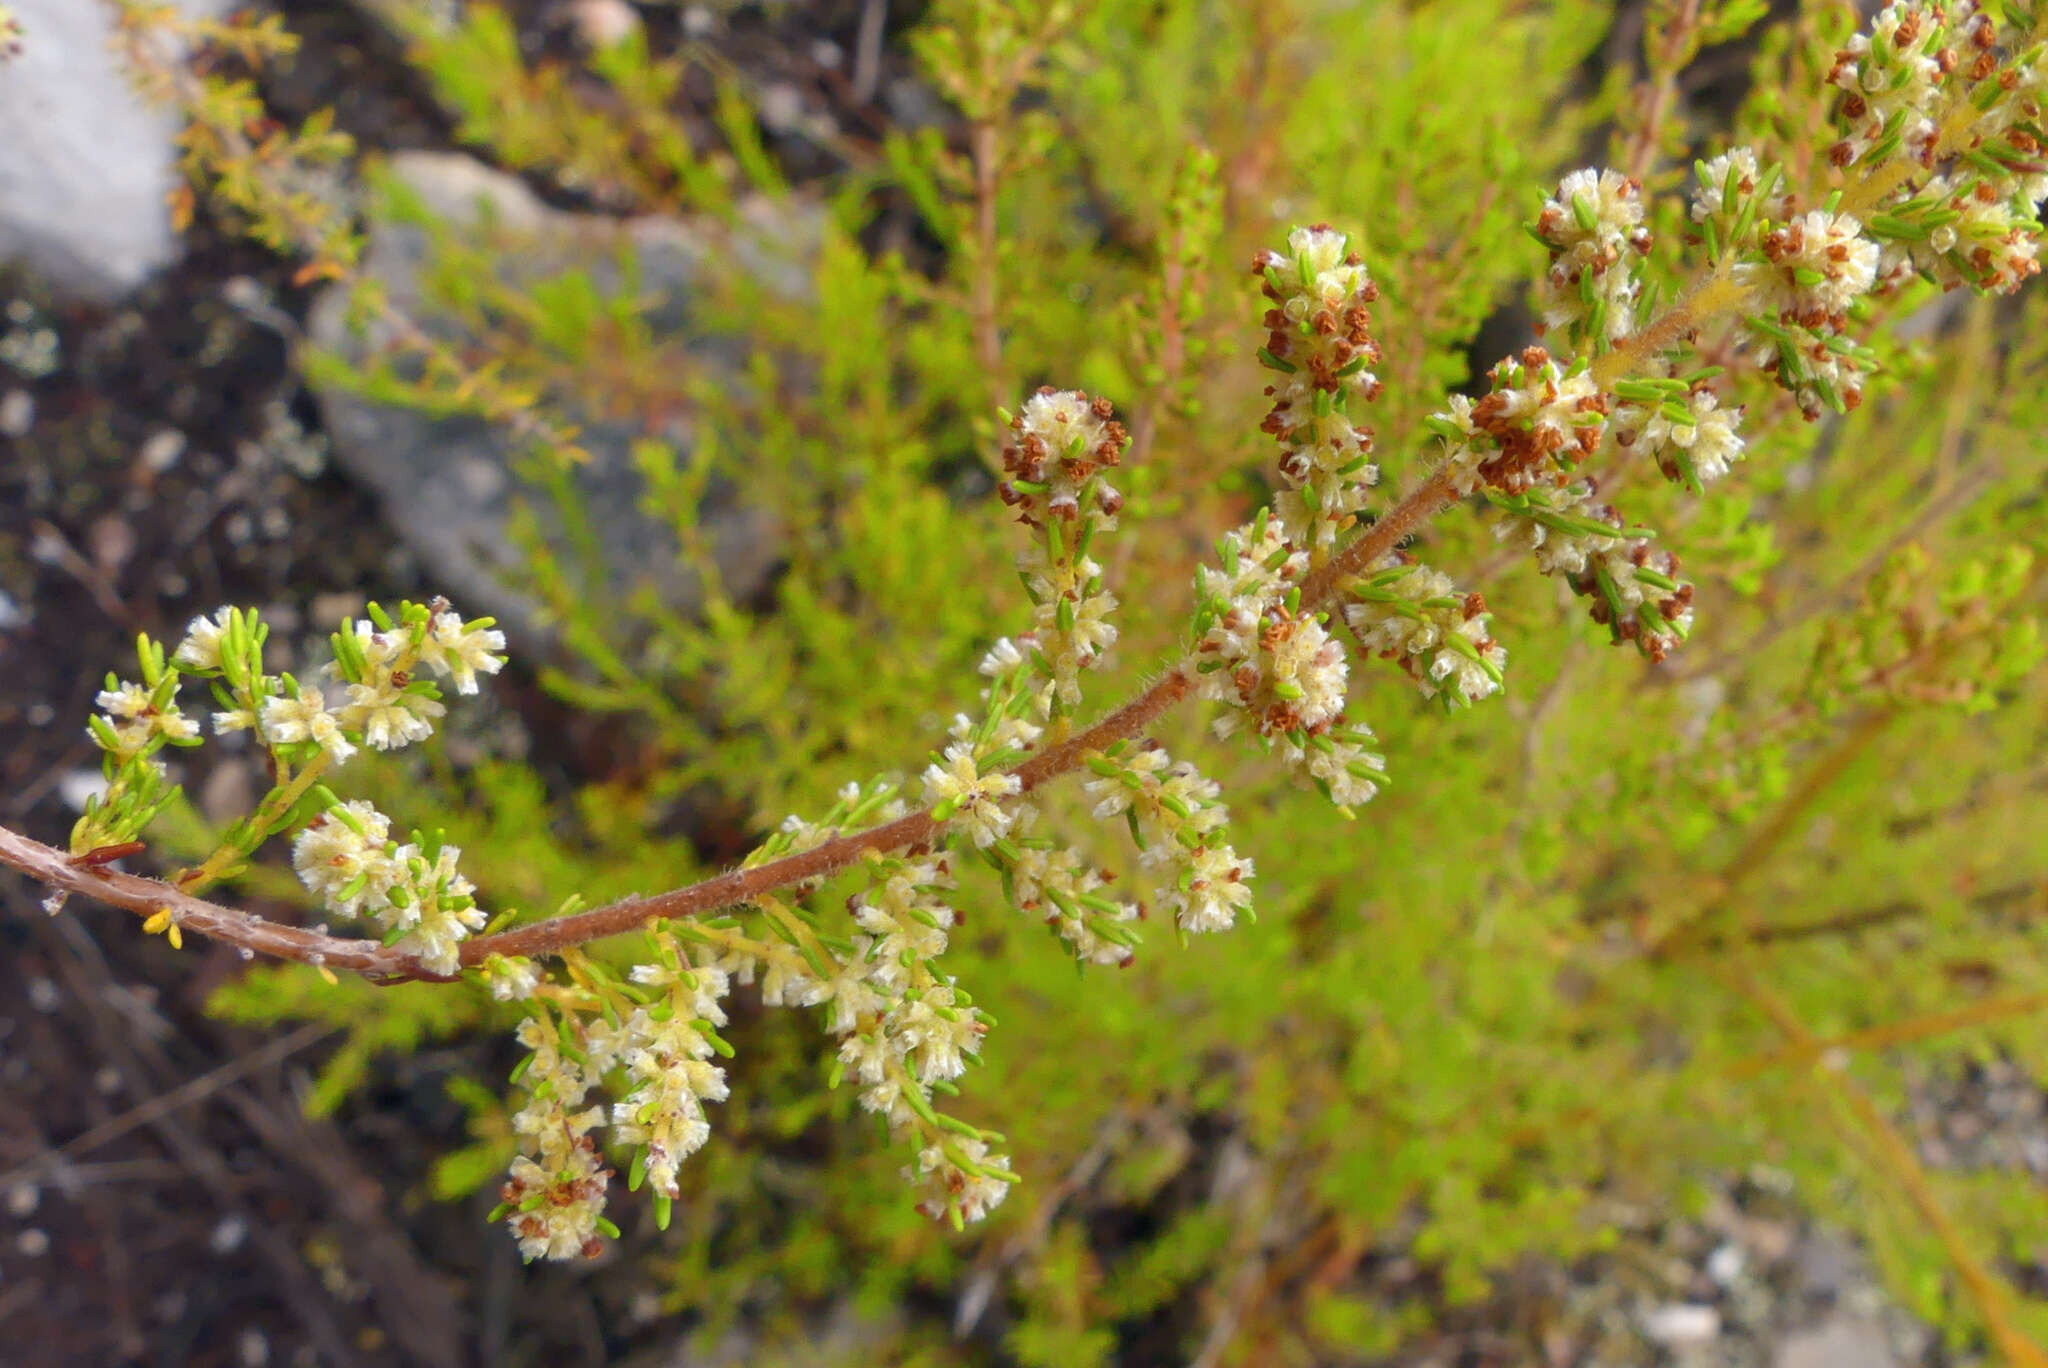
(1669, 62)
(1895, 1157)
(1893, 1033)
(162, 1104)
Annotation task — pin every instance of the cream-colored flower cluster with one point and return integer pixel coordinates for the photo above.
(1277, 666)
(1536, 417)
(375, 662)
(1974, 221)
(959, 1175)
(1593, 226)
(1059, 447)
(139, 719)
(345, 855)
(293, 719)
(665, 1052)
(1679, 423)
(1041, 876)
(554, 1199)
(1632, 584)
(1284, 672)
(1414, 616)
(417, 895)
(1044, 878)
(1344, 763)
(1893, 77)
(1319, 340)
(960, 793)
(1177, 820)
(903, 1032)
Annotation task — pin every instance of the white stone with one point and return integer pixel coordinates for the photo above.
(17, 413)
(604, 23)
(1681, 1323)
(85, 165)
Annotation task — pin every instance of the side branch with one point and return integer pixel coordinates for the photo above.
(148, 897)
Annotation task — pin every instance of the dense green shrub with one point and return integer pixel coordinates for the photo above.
(1632, 922)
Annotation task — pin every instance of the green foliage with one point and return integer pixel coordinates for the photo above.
(373, 1020)
(1499, 994)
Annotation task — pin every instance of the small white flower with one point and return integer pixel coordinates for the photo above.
(1215, 891)
(935, 1034)
(1439, 637)
(1344, 763)
(341, 856)
(455, 648)
(437, 935)
(125, 703)
(302, 716)
(511, 978)
(1818, 264)
(973, 800)
(1067, 422)
(1320, 344)
(387, 717)
(137, 721)
(1004, 656)
(949, 1186)
(1594, 227)
(848, 996)
(868, 1055)
(563, 1225)
(200, 650)
(1710, 199)
(1059, 447)
(1893, 77)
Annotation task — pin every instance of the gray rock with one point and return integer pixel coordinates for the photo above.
(449, 483)
(1840, 1342)
(85, 165)
(1826, 1266)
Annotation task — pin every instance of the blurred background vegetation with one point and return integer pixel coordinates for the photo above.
(1625, 971)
